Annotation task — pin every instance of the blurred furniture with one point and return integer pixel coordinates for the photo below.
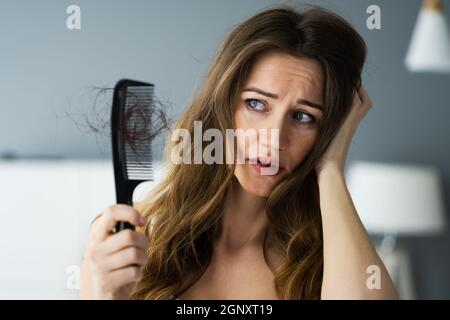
(394, 200)
(429, 49)
(47, 207)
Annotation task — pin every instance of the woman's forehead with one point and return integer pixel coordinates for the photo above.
(277, 72)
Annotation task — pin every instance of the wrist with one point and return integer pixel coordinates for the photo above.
(330, 168)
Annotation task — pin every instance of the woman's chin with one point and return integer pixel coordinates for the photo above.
(255, 183)
(256, 186)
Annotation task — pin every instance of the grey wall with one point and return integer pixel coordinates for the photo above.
(409, 123)
(46, 72)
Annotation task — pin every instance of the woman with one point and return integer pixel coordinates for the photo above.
(225, 231)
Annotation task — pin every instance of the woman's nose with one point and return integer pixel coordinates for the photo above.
(277, 133)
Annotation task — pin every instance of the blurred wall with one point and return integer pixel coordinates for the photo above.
(48, 72)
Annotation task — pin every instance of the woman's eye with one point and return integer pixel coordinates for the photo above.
(303, 117)
(253, 104)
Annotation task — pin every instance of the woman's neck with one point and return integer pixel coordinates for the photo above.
(244, 220)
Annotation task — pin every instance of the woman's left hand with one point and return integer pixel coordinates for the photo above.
(336, 153)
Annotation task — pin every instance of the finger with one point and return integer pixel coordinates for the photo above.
(124, 258)
(124, 239)
(114, 213)
(95, 219)
(124, 276)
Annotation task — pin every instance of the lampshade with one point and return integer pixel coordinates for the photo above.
(429, 50)
(398, 199)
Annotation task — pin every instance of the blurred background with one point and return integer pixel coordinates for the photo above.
(56, 172)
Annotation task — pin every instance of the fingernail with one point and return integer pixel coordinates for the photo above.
(142, 219)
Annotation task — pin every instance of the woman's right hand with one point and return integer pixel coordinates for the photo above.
(112, 262)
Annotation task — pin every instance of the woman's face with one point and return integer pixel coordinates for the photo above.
(285, 93)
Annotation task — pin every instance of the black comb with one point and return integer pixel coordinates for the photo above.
(131, 147)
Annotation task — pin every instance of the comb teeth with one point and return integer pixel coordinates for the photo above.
(138, 112)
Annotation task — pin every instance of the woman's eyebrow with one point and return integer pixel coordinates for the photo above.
(274, 96)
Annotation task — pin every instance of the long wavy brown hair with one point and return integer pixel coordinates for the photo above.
(185, 208)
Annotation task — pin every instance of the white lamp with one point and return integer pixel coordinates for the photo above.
(392, 200)
(429, 49)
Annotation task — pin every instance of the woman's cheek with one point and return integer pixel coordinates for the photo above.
(303, 148)
(244, 117)
(245, 121)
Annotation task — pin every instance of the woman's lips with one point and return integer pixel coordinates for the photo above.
(259, 167)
